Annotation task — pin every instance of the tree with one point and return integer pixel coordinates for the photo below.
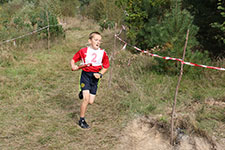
(22, 16)
(105, 12)
(205, 13)
(4, 1)
(218, 25)
(163, 23)
(141, 12)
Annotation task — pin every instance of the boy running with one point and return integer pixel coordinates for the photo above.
(91, 74)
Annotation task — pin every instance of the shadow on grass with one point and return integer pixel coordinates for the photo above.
(69, 104)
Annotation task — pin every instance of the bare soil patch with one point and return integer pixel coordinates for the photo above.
(145, 134)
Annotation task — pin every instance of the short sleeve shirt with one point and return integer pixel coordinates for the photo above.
(98, 58)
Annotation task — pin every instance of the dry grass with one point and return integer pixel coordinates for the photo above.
(40, 107)
(39, 103)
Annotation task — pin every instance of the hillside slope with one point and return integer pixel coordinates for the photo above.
(40, 107)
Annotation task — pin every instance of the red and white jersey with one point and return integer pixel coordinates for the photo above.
(98, 58)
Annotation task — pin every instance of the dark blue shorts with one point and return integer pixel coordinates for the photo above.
(89, 82)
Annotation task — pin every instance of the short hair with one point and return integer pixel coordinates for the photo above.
(92, 34)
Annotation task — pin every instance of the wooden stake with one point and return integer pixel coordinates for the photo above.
(48, 30)
(112, 62)
(176, 93)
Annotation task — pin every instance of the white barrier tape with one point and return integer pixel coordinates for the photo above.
(124, 47)
(35, 31)
(168, 58)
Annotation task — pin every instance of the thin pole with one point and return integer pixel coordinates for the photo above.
(176, 93)
(48, 30)
(112, 62)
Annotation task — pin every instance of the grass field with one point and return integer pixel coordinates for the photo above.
(39, 106)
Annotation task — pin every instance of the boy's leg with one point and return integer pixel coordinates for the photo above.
(82, 123)
(93, 90)
(91, 99)
(84, 103)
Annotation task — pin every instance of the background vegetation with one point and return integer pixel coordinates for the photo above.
(38, 92)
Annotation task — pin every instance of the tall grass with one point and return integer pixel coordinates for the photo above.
(151, 93)
(40, 107)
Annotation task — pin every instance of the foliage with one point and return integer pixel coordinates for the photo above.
(154, 23)
(138, 13)
(4, 1)
(14, 23)
(94, 10)
(170, 34)
(42, 21)
(29, 16)
(84, 3)
(83, 6)
(106, 12)
(221, 26)
(205, 13)
(106, 24)
(69, 7)
(39, 103)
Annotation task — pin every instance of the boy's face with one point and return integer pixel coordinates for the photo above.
(95, 41)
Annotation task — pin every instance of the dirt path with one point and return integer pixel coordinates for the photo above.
(102, 116)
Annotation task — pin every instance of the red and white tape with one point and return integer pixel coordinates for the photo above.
(167, 58)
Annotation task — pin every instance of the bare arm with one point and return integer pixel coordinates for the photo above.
(73, 66)
(103, 71)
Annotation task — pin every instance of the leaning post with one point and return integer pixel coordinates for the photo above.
(176, 92)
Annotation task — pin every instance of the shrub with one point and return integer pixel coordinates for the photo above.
(149, 26)
(106, 24)
(107, 13)
(29, 16)
(220, 26)
(42, 21)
